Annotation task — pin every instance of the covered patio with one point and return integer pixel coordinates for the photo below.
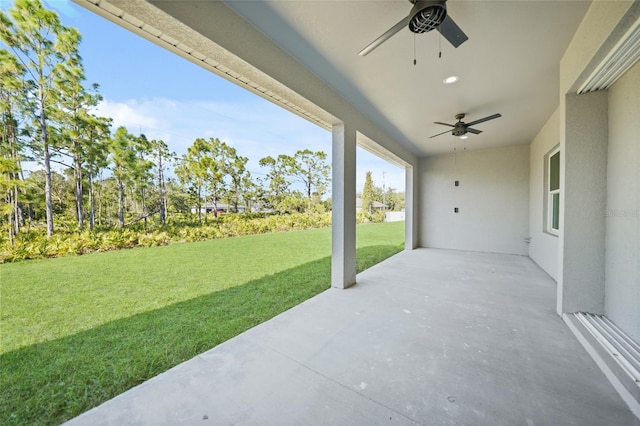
(428, 337)
(531, 220)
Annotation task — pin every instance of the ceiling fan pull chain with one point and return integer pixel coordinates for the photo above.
(414, 49)
(439, 45)
(455, 156)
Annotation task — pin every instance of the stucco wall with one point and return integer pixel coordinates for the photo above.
(492, 198)
(622, 285)
(543, 248)
(583, 200)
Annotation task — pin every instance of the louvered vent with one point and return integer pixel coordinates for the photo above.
(427, 18)
(622, 57)
(622, 348)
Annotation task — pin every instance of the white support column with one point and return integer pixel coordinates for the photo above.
(411, 208)
(343, 195)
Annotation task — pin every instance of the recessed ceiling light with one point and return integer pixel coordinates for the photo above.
(464, 137)
(451, 79)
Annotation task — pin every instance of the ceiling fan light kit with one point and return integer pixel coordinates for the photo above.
(451, 79)
(424, 17)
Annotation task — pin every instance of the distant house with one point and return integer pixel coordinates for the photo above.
(376, 205)
(221, 207)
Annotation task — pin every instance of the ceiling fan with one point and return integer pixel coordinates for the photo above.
(461, 128)
(424, 17)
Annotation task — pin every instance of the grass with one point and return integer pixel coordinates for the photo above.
(76, 331)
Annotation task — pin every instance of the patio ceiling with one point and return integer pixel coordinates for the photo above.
(510, 64)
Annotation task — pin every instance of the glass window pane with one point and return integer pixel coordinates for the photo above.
(555, 219)
(554, 172)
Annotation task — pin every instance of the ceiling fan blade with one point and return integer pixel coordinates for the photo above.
(448, 131)
(474, 131)
(386, 36)
(452, 32)
(482, 120)
(444, 124)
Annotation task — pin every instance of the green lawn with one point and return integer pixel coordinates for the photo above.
(76, 331)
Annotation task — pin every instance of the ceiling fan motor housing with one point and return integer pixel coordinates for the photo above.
(459, 129)
(427, 15)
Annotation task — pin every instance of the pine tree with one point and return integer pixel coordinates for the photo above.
(47, 50)
(96, 160)
(240, 177)
(310, 168)
(141, 170)
(278, 187)
(123, 160)
(10, 147)
(77, 126)
(368, 194)
(162, 157)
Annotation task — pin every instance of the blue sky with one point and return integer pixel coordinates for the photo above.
(153, 91)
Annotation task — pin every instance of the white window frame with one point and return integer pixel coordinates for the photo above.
(549, 194)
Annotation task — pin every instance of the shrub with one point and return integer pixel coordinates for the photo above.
(68, 240)
(376, 216)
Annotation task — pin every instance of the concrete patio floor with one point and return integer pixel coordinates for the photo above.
(433, 337)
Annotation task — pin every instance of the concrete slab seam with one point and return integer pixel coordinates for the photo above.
(337, 382)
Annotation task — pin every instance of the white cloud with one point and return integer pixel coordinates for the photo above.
(130, 114)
